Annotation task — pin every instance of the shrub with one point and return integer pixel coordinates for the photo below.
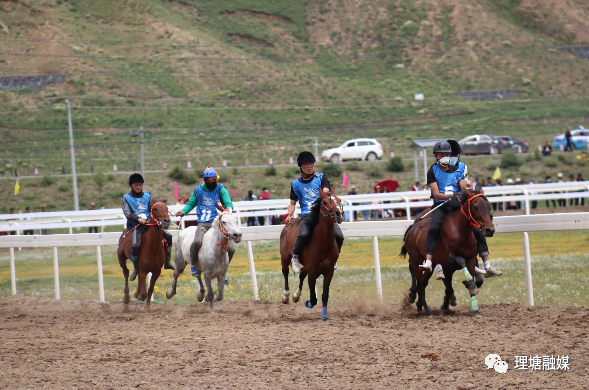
(537, 155)
(509, 159)
(581, 162)
(176, 173)
(353, 166)
(550, 162)
(332, 170)
(46, 181)
(395, 164)
(64, 187)
(373, 171)
(188, 178)
(271, 171)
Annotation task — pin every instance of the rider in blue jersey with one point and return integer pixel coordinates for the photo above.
(305, 190)
(445, 180)
(482, 246)
(205, 198)
(135, 205)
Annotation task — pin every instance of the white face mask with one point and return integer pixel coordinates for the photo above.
(444, 161)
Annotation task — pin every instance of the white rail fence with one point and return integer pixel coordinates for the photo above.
(523, 194)
(374, 229)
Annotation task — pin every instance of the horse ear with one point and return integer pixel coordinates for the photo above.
(479, 188)
(467, 193)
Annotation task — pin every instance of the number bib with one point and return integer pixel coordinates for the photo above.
(206, 208)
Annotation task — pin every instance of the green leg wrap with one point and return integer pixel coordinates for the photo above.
(474, 304)
(467, 274)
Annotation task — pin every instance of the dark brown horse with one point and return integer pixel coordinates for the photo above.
(151, 252)
(456, 248)
(318, 256)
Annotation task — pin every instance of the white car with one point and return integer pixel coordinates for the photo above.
(354, 149)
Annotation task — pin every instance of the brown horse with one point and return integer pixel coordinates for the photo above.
(456, 248)
(318, 256)
(151, 253)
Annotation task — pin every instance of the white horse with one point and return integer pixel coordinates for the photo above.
(213, 259)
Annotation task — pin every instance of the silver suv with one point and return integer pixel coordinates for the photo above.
(354, 149)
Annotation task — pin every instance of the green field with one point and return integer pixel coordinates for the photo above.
(559, 267)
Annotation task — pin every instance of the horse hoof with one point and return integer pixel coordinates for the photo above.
(410, 297)
(308, 304)
(296, 297)
(477, 314)
(200, 297)
(324, 318)
(453, 302)
(170, 294)
(473, 291)
(126, 299)
(286, 299)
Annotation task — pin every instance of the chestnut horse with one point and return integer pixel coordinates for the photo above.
(456, 248)
(151, 253)
(318, 256)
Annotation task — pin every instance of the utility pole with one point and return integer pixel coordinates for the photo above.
(141, 135)
(73, 155)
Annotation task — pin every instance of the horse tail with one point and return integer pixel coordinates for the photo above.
(403, 252)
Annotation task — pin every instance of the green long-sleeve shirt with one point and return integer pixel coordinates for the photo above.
(223, 195)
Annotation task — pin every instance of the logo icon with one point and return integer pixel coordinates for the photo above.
(494, 361)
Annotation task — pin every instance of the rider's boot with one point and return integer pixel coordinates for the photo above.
(492, 272)
(479, 271)
(427, 266)
(296, 266)
(135, 261)
(168, 263)
(439, 272)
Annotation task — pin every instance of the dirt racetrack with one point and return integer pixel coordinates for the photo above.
(46, 343)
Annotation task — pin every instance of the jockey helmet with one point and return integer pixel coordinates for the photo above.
(442, 147)
(456, 149)
(210, 172)
(135, 178)
(305, 157)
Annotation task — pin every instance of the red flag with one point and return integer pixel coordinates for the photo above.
(345, 182)
(176, 191)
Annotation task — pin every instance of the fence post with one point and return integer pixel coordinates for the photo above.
(407, 208)
(527, 200)
(377, 267)
(100, 277)
(528, 269)
(12, 272)
(250, 255)
(56, 273)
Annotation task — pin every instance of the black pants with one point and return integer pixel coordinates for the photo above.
(308, 222)
(434, 227)
(95, 228)
(482, 247)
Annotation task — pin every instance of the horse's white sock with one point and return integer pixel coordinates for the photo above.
(487, 264)
(439, 267)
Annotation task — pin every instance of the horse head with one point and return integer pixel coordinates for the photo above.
(476, 207)
(228, 225)
(160, 213)
(331, 206)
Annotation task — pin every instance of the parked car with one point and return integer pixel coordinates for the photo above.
(580, 139)
(481, 144)
(513, 143)
(354, 149)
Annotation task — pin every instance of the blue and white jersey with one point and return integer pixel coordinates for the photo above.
(139, 206)
(448, 182)
(308, 193)
(206, 208)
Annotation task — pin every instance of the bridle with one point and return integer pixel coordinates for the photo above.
(326, 210)
(471, 219)
(222, 229)
(155, 221)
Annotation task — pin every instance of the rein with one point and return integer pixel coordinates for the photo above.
(156, 222)
(224, 232)
(326, 211)
(471, 219)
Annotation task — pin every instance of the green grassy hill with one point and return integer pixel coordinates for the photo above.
(245, 81)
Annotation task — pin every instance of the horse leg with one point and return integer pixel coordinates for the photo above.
(411, 295)
(201, 292)
(449, 298)
(421, 284)
(313, 301)
(180, 265)
(468, 281)
(286, 295)
(325, 295)
(297, 295)
(210, 295)
(154, 276)
(123, 264)
(220, 288)
(478, 278)
(141, 286)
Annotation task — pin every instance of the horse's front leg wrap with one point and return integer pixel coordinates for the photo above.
(467, 275)
(474, 304)
(324, 313)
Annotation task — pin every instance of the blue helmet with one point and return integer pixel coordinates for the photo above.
(210, 172)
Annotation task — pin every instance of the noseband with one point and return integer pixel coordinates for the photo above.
(155, 221)
(473, 222)
(326, 211)
(223, 231)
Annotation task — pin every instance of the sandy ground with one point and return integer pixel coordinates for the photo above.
(46, 343)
